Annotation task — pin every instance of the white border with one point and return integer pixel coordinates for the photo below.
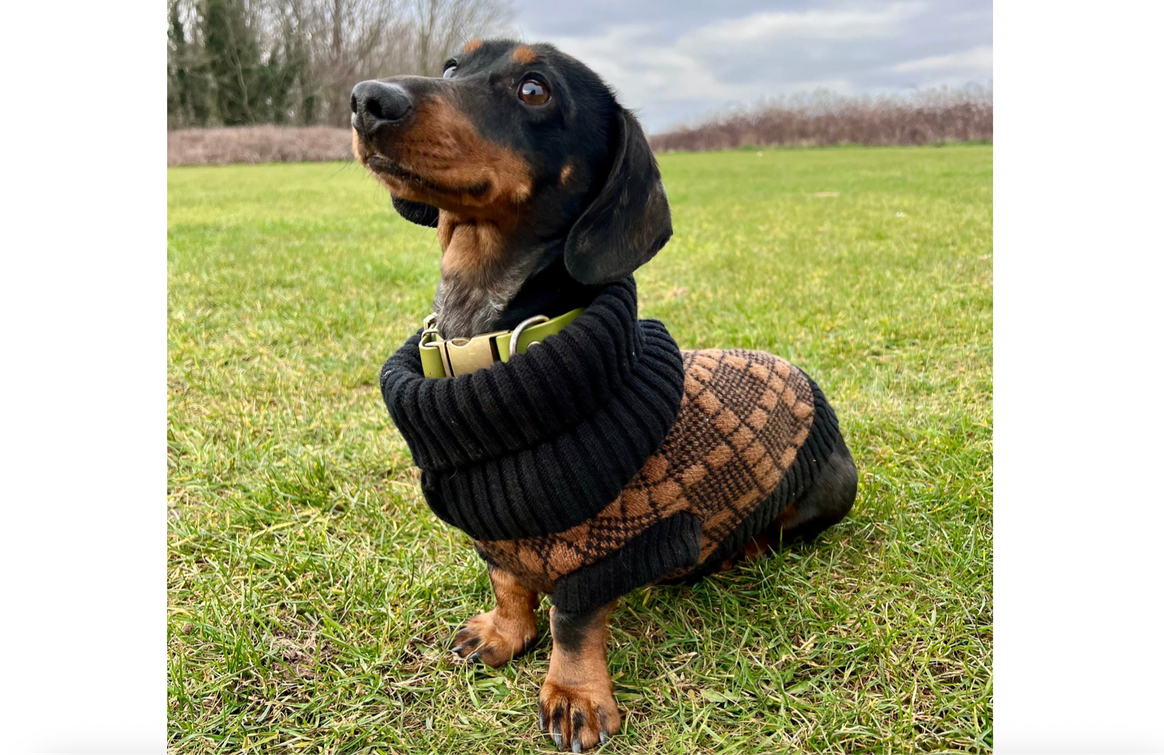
(1078, 507)
(83, 307)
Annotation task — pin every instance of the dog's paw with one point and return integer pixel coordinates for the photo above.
(493, 640)
(578, 717)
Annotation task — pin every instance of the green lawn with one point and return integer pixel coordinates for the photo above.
(312, 593)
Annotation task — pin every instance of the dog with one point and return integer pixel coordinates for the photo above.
(544, 194)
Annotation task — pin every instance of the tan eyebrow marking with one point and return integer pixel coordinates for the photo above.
(524, 55)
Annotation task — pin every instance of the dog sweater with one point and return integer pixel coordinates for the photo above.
(605, 458)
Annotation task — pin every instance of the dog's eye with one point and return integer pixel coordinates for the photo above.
(533, 92)
(448, 74)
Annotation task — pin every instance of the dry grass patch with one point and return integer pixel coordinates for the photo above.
(825, 119)
(258, 144)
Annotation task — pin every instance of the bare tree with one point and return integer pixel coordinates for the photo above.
(348, 37)
(381, 38)
(442, 26)
(305, 55)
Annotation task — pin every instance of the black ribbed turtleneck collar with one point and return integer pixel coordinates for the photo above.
(543, 442)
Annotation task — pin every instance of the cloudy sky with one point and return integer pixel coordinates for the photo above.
(676, 60)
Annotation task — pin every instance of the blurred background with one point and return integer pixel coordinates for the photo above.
(269, 80)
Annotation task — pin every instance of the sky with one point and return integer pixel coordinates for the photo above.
(674, 61)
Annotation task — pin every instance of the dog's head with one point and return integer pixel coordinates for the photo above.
(518, 155)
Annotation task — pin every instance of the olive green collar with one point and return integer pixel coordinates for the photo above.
(460, 356)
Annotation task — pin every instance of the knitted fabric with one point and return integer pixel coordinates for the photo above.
(751, 434)
(542, 442)
(605, 459)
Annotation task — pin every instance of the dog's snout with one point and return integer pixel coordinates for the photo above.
(378, 103)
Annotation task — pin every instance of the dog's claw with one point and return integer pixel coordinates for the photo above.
(578, 720)
(482, 641)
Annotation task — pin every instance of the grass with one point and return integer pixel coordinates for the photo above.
(312, 593)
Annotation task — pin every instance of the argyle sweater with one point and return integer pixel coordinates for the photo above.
(604, 458)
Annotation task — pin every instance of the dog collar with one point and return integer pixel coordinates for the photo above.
(460, 356)
(541, 443)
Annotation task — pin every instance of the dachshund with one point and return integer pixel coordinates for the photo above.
(542, 189)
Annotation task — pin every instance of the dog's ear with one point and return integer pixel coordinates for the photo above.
(418, 212)
(629, 221)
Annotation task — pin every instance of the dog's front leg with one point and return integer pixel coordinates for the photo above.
(576, 704)
(496, 637)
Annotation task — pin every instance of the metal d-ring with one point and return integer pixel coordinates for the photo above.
(536, 319)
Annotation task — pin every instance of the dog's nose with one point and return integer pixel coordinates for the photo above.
(376, 104)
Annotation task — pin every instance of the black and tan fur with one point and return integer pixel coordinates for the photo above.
(536, 208)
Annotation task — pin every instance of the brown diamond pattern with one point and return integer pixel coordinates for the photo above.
(744, 416)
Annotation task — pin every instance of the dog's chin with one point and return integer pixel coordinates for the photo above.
(411, 185)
